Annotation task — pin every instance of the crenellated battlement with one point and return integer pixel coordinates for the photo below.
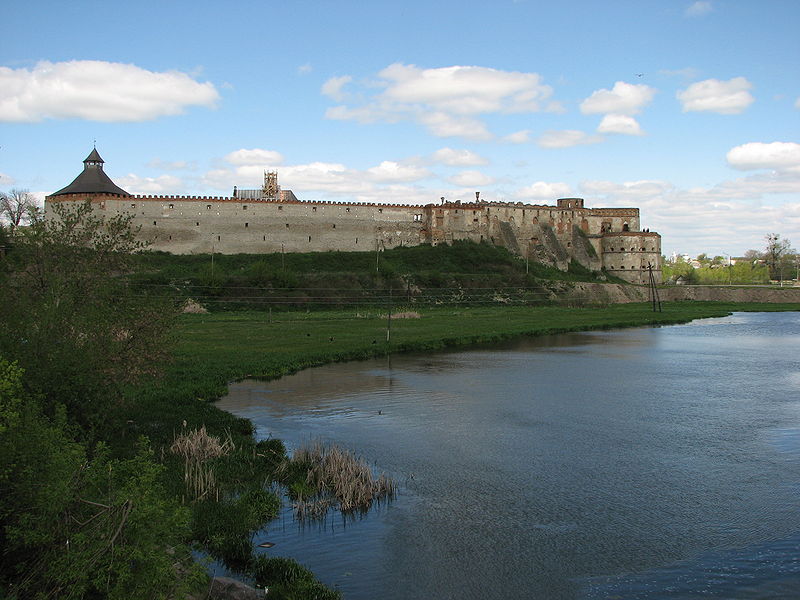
(272, 220)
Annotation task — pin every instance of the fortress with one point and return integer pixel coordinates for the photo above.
(270, 219)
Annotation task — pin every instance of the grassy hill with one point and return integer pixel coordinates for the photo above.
(464, 272)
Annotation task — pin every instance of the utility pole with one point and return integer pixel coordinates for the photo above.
(653, 289)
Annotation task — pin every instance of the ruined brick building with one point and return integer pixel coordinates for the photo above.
(271, 220)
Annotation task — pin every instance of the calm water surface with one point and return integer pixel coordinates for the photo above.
(641, 463)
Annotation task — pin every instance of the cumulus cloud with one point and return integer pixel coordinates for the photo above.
(622, 124)
(712, 95)
(566, 139)
(163, 184)
(334, 87)
(447, 100)
(255, 156)
(392, 171)
(701, 219)
(98, 91)
(622, 99)
(542, 190)
(6, 180)
(518, 137)
(699, 8)
(781, 156)
(458, 158)
(470, 179)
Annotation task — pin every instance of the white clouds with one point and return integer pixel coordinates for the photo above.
(781, 156)
(164, 184)
(797, 103)
(255, 156)
(623, 99)
(566, 139)
(392, 171)
(447, 101)
(518, 137)
(6, 180)
(470, 179)
(458, 158)
(619, 124)
(618, 105)
(305, 69)
(542, 190)
(334, 87)
(712, 95)
(699, 8)
(98, 91)
(465, 90)
(628, 191)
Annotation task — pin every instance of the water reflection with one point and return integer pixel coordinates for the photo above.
(551, 467)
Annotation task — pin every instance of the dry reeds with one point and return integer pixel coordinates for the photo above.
(197, 448)
(341, 479)
(411, 314)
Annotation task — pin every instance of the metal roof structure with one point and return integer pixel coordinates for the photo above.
(93, 180)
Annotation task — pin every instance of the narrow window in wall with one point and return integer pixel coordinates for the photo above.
(347, 209)
(380, 210)
(356, 240)
(170, 237)
(287, 226)
(246, 224)
(313, 209)
(133, 206)
(280, 208)
(244, 206)
(309, 238)
(208, 207)
(172, 206)
(334, 225)
(217, 238)
(265, 238)
(154, 222)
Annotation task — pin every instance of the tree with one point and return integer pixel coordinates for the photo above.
(70, 320)
(17, 206)
(76, 522)
(775, 253)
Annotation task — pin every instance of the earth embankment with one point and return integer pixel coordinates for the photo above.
(610, 293)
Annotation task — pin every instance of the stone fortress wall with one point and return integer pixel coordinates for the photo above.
(607, 238)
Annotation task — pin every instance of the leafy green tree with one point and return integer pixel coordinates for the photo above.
(68, 317)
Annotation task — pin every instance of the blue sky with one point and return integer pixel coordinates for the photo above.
(689, 110)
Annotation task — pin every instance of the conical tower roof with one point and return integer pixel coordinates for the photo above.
(93, 180)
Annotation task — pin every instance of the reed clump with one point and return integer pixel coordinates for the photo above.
(198, 449)
(339, 479)
(409, 314)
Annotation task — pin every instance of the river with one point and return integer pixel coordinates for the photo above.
(640, 463)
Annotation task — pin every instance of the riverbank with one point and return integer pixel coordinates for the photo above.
(583, 293)
(215, 349)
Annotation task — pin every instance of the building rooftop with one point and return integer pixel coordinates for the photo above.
(92, 180)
